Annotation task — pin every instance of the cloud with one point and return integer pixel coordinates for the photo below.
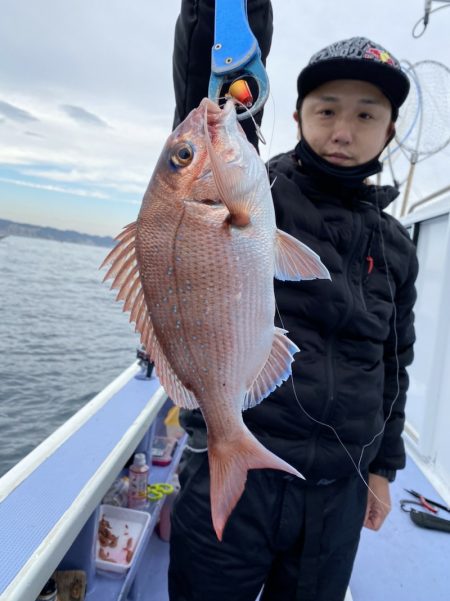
(33, 134)
(81, 115)
(75, 192)
(15, 113)
(118, 179)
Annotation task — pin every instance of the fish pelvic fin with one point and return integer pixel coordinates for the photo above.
(276, 370)
(295, 261)
(229, 463)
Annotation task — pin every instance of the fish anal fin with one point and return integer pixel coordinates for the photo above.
(295, 261)
(229, 463)
(276, 370)
(171, 383)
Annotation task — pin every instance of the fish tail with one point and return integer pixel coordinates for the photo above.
(229, 463)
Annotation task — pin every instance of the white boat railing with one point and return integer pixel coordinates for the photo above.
(31, 574)
(428, 406)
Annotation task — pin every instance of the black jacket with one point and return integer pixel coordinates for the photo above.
(356, 332)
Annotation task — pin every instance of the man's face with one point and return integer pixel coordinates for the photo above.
(346, 121)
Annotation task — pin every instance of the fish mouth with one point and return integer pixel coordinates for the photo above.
(213, 112)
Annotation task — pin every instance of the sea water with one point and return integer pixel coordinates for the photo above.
(63, 338)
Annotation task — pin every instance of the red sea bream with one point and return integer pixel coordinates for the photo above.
(196, 271)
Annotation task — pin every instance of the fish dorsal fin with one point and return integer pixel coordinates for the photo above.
(124, 269)
(295, 261)
(276, 370)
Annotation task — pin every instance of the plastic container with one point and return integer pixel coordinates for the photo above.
(163, 449)
(128, 526)
(118, 493)
(138, 480)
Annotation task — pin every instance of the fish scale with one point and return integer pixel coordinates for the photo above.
(211, 304)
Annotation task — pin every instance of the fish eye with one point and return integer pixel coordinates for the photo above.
(182, 155)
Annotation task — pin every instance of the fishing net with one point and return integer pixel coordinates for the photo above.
(424, 123)
(423, 127)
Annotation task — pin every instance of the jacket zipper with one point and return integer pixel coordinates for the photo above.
(330, 368)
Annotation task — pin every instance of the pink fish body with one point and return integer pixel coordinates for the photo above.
(196, 270)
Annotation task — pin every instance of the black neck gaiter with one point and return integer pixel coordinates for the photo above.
(349, 177)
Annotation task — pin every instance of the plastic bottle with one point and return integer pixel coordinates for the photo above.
(138, 477)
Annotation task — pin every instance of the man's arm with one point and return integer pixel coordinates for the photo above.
(194, 37)
(397, 356)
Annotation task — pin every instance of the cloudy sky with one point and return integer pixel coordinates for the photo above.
(86, 98)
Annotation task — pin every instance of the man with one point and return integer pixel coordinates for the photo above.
(341, 423)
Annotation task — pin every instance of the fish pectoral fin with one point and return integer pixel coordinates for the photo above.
(232, 182)
(229, 463)
(295, 261)
(276, 370)
(234, 193)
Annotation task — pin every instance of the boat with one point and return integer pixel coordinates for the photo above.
(50, 501)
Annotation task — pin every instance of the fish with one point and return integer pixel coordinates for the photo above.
(196, 272)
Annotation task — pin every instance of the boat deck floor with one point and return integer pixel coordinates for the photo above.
(401, 561)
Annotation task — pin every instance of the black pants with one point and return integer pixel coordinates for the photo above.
(297, 539)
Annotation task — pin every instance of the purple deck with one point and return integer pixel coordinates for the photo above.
(401, 562)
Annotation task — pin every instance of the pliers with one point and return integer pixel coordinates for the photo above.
(236, 54)
(423, 502)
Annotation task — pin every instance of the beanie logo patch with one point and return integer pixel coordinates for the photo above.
(380, 55)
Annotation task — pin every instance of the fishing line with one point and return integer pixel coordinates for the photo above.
(259, 133)
(194, 450)
(271, 137)
(425, 24)
(397, 361)
(357, 466)
(258, 130)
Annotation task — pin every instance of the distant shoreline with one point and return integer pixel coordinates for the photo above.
(12, 228)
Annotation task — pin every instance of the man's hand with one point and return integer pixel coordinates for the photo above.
(378, 502)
